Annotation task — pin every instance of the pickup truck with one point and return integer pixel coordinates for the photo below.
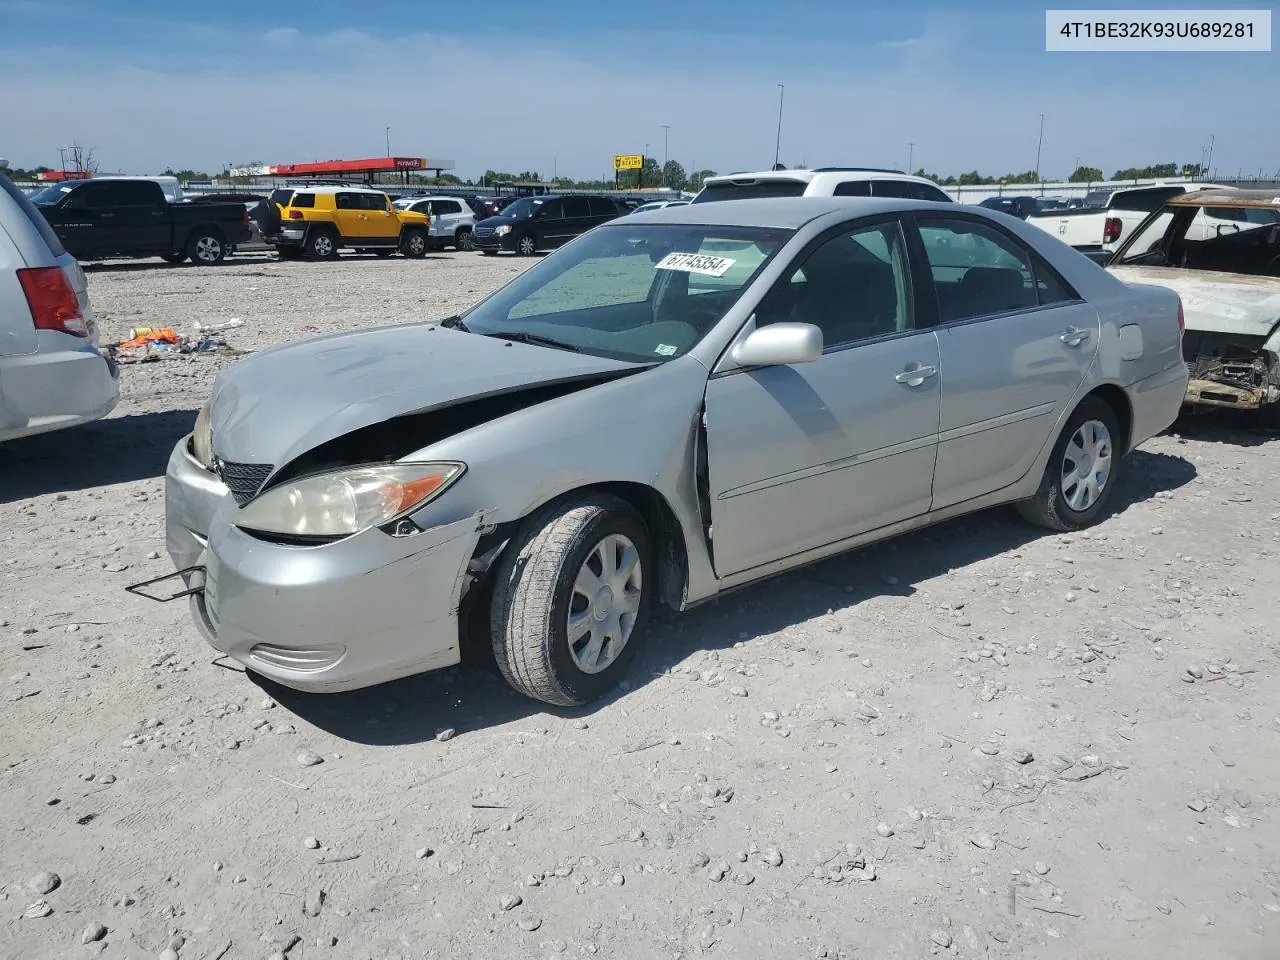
(106, 217)
(1097, 228)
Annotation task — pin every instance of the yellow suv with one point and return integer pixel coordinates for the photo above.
(314, 222)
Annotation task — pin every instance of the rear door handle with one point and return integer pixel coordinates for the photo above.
(916, 374)
(1074, 336)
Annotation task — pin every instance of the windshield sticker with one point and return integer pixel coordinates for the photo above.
(665, 350)
(696, 263)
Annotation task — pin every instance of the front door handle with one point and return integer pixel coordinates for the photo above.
(364, 216)
(916, 374)
(1074, 336)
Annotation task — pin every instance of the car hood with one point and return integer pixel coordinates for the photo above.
(276, 405)
(498, 221)
(1215, 302)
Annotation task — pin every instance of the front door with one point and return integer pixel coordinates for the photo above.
(805, 455)
(1016, 343)
(350, 216)
(88, 225)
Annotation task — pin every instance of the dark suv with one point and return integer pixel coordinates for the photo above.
(1014, 206)
(531, 224)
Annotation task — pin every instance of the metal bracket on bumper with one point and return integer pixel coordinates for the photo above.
(138, 589)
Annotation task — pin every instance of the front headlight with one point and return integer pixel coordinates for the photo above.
(202, 439)
(502, 231)
(346, 501)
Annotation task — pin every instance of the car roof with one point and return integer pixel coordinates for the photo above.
(808, 176)
(782, 213)
(1229, 197)
(326, 190)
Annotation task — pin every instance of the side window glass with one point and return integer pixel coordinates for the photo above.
(346, 201)
(853, 287)
(303, 200)
(853, 188)
(977, 272)
(135, 194)
(602, 207)
(552, 210)
(892, 188)
(577, 207)
(1051, 288)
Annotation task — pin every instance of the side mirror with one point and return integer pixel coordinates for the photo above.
(778, 344)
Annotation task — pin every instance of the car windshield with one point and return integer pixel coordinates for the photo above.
(1222, 239)
(752, 190)
(522, 208)
(643, 293)
(1096, 199)
(50, 195)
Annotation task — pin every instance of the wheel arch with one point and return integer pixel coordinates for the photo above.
(210, 228)
(1118, 400)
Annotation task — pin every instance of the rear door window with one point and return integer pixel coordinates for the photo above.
(602, 207)
(977, 271)
(447, 207)
(853, 188)
(373, 201)
(35, 216)
(575, 207)
(1144, 201)
(138, 193)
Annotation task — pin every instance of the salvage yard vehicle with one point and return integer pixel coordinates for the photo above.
(675, 404)
(132, 217)
(451, 218)
(1219, 250)
(316, 222)
(531, 224)
(51, 372)
(1107, 217)
(820, 182)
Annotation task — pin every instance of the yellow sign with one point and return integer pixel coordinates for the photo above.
(631, 161)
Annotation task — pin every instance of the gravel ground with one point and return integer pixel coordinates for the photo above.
(975, 741)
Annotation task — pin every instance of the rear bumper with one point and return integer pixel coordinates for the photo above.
(323, 618)
(1156, 402)
(66, 383)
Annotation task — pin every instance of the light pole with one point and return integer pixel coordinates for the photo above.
(1039, 144)
(1208, 164)
(911, 149)
(62, 158)
(666, 128)
(388, 141)
(777, 146)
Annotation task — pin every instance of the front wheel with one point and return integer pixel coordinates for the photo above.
(570, 599)
(414, 245)
(527, 246)
(1081, 472)
(462, 239)
(206, 248)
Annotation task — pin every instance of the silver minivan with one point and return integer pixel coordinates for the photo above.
(52, 374)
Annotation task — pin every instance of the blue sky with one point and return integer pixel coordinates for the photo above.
(567, 84)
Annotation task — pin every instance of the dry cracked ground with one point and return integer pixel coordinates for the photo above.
(977, 741)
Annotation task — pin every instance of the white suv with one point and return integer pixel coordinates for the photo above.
(452, 219)
(822, 182)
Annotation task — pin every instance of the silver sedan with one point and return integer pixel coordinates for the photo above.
(672, 405)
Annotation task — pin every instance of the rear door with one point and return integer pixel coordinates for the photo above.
(577, 218)
(380, 222)
(603, 209)
(549, 224)
(1015, 344)
(142, 217)
(350, 215)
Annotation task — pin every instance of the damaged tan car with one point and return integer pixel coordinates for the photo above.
(1219, 250)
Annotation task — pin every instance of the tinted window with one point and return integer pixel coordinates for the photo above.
(854, 286)
(303, 200)
(977, 271)
(853, 188)
(576, 207)
(347, 201)
(751, 190)
(602, 207)
(373, 201)
(892, 188)
(935, 194)
(137, 193)
(93, 197)
(550, 209)
(1050, 288)
(1146, 201)
(447, 207)
(35, 216)
(281, 197)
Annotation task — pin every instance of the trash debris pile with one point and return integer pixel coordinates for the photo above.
(146, 344)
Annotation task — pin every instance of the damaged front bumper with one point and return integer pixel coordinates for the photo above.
(1214, 393)
(328, 617)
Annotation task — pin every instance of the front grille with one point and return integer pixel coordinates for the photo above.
(482, 231)
(244, 480)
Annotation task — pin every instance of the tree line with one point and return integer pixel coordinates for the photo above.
(1081, 174)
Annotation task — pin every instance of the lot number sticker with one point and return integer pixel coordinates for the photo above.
(696, 263)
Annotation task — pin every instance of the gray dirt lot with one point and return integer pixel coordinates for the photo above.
(827, 765)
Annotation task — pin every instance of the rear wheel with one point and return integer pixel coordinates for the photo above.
(1081, 472)
(322, 245)
(570, 599)
(414, 245)
(206, 247)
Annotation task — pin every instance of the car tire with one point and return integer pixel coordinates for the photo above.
(527, 245)
(414, 245)
(462, 239)
(206, 247)
(322, 244)
(552, 572)
(173, 257)
(1071, 495)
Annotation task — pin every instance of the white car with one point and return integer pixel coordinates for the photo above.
(451, 219)
(821, 182)
(659, 204)
(51, 372)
